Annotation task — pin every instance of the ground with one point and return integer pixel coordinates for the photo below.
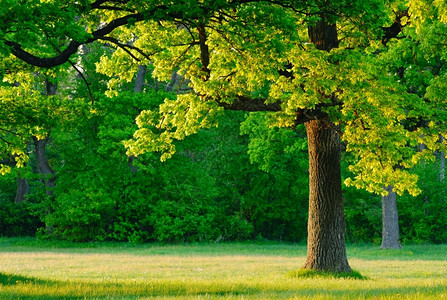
(56, 270)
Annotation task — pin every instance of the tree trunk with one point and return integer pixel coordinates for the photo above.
(22, 189)
(44, 167)
(442, 166)
(139, 80)
(137, 88)
(326, 249)
(390, 221)
(441, 162)
(323, 35)
(40, 147)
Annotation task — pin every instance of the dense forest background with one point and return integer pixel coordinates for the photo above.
(75, 112)
(242, 180)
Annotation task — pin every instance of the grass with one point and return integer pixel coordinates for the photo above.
(31, 269)
(304, 273)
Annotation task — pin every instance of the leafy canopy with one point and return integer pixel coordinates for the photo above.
(383, 87)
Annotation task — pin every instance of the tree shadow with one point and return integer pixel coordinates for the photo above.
(14, 279)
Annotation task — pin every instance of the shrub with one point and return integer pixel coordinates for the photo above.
(18, 219)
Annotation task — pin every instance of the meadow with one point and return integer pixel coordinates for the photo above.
(32, 269)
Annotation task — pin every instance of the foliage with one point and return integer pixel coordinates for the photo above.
(18, 219)
(422, 219)
(363, 214)
(241, 55)
(282, 154)
(199, 194)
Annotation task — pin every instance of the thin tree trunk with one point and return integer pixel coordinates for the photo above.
(137, 88)
(22, 189)
(139, 80)
(326, 249)
(441, 174)
(390, 221)
(51, 88)
(441, 162)
(442, 166)
(44, 167)
(174, 79)
(45, 170)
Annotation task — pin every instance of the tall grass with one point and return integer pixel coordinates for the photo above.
(32, 269)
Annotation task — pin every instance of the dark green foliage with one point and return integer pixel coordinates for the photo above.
(279, 207)
(220, 185)
(363, 215)
(95, 180)
(7, 186)
(208, 191)
(423, 219)
(18, 219)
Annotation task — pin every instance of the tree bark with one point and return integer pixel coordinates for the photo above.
(22, 189)
(442, 166)
(441, 162)
(137, 88)
(323, 35)
(44, 167)
(139, 80)
(43, 164)
(390, 221)
(326, 249)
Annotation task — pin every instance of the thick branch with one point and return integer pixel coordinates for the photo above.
(247, 104)
(98, 4)
(43, 62)
(395, 28)
(204, 50)
(49, 62)
(72, 48)
(8, 162)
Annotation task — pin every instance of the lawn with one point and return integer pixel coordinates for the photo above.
(33, 269)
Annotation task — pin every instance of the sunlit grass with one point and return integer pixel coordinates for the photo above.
(44, 270)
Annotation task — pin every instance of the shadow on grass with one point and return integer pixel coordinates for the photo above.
(305, 273)
(13, 279)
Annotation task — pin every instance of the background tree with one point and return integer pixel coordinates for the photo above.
(390, 221)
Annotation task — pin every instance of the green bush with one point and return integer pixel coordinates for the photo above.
(363, 215)
(18, 219)
(184, 222)
(237, 229)
(81, 215)
(423, 219)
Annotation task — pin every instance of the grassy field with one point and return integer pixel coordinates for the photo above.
(33, 269)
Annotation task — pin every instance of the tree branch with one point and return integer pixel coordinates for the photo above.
(125, 47)
(8, 162)
(395, 28)
(247, 104)
(72, 48)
